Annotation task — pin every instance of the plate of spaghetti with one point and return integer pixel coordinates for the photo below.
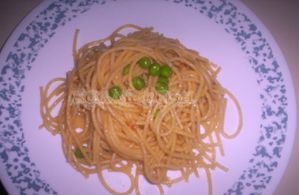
(144, 97)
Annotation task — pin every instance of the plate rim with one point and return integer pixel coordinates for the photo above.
(267, 33)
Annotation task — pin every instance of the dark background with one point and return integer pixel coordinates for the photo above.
(2, 190)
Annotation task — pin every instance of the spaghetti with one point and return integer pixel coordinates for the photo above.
(139, 101)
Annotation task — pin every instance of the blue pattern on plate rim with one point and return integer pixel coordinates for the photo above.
(24, 174)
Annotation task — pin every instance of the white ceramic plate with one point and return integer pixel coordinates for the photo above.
(225, 31)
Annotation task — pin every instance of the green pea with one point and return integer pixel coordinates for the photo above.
(154, 69)
(156, 113)
(115, 92)
(144, 62)
(163, 79)
(165, 71)
(138, 82)
(126, 69)
(161, 87)
(78, 153)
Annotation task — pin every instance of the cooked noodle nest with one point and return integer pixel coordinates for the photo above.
(143, 130)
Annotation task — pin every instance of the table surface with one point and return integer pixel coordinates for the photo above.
(280, 17)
